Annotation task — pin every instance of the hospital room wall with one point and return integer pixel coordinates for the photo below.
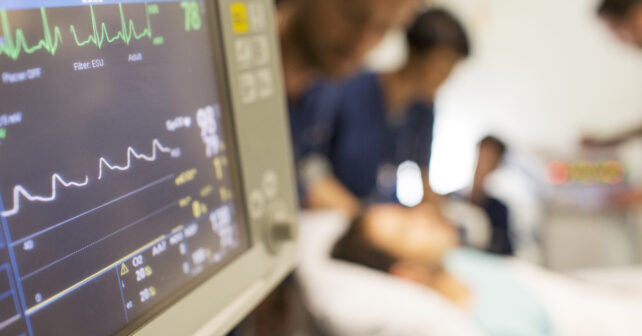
(542, 74)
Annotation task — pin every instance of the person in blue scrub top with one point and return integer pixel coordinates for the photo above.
(385, 119)
(324, 41)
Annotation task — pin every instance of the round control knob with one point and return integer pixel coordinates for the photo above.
(279, 228)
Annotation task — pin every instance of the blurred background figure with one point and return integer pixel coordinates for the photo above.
(490, 153)
(330, 38)
(384, 119)
(542, 75)
(625, 19)
(323, 41)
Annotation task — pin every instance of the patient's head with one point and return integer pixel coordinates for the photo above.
(406, 242)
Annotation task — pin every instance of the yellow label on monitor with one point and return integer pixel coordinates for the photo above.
(240, 23)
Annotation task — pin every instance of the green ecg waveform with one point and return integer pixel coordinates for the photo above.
(16, 43)
(13, 47)
(127, 31)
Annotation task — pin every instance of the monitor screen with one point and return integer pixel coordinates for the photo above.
(118, 182)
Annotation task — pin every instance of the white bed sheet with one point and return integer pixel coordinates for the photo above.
(581, 308)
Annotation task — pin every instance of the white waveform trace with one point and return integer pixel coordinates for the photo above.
(19, 191)
(131, 153)
(56, 179)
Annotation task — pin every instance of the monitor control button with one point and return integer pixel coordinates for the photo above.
(243, 49)
(270, 184)
(256, 204)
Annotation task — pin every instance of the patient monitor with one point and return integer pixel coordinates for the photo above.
(146, 180)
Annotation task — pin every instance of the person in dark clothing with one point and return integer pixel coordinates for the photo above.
(323, 41)
(490, 154)
(326, 40)
(385, 119)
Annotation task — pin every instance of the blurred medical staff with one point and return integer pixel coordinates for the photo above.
(386, 119)
(490, 154)
(625, 19)
(323, 40)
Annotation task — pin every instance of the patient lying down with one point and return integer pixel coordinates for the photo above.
(502, 295)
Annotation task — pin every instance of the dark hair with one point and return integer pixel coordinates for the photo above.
(494, 141)
(355, 247)
(437, 28)
(616, 8)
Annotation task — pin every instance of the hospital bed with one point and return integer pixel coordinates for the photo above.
(348, 299)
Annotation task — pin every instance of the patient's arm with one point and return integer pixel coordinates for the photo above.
(329, 193)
